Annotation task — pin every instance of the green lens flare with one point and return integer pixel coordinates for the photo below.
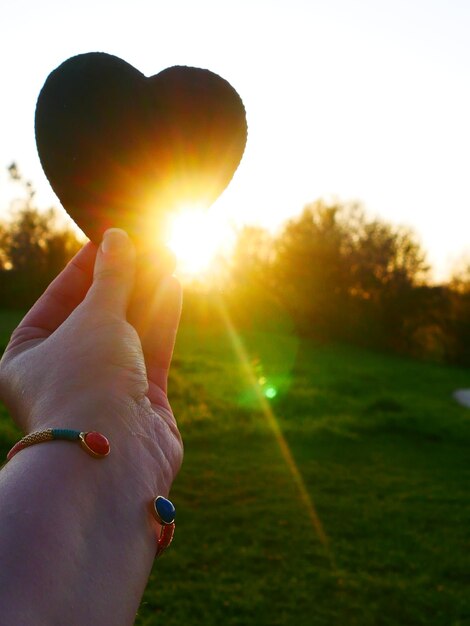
(271, 392)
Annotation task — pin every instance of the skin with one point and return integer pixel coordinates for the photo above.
(77, 541)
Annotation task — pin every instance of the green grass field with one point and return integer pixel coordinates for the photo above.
(382, 451)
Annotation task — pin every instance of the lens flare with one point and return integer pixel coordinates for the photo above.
(250, 369)
(270, 392)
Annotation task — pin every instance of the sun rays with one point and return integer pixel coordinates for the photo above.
(264, 392)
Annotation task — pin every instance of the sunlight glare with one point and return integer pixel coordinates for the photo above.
(196, 236)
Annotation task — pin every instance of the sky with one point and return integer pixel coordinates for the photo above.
(357, 100)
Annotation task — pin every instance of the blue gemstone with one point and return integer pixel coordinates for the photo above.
(165, 510)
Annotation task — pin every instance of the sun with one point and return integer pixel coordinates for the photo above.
(196, 236)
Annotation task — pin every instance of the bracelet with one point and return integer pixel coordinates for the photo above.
(94, 443)
(97, 445)
(164, 512)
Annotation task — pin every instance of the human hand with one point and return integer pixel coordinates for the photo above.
(76, 362)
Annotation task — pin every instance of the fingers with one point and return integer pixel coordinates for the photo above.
(64, 294)
(113, 277)
(155, 314)
(159, 339)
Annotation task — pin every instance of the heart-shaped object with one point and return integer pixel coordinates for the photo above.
(122, 150)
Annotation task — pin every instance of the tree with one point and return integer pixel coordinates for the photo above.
(249, 292)
(345, 276)
(459, 318)
(387, 268)
(311, 271)
(460, 279)
(33, 248)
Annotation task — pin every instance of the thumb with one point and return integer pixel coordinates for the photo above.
(113, 277)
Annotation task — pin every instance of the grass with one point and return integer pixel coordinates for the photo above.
(382, 450)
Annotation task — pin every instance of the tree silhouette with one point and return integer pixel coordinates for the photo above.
(33, 248)
(340, 274)
(311, 270)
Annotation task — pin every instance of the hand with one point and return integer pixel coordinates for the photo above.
(76, 362)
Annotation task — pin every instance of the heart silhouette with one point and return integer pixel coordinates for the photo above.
(123, 150)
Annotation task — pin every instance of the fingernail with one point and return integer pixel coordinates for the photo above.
(115, 240)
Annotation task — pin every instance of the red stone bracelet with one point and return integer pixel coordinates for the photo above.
(94, 443)
(97, 445)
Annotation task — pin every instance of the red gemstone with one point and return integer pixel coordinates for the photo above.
(97, 443)
(166, 537)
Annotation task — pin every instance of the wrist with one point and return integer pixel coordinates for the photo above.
(145, 452)
(84, 519)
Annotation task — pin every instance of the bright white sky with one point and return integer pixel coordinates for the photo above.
(359, 99)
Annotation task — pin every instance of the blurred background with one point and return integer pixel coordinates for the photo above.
(326, 323)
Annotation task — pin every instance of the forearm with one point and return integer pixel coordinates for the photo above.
(77, 541)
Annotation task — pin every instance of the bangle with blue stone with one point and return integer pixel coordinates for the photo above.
(164, 512)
